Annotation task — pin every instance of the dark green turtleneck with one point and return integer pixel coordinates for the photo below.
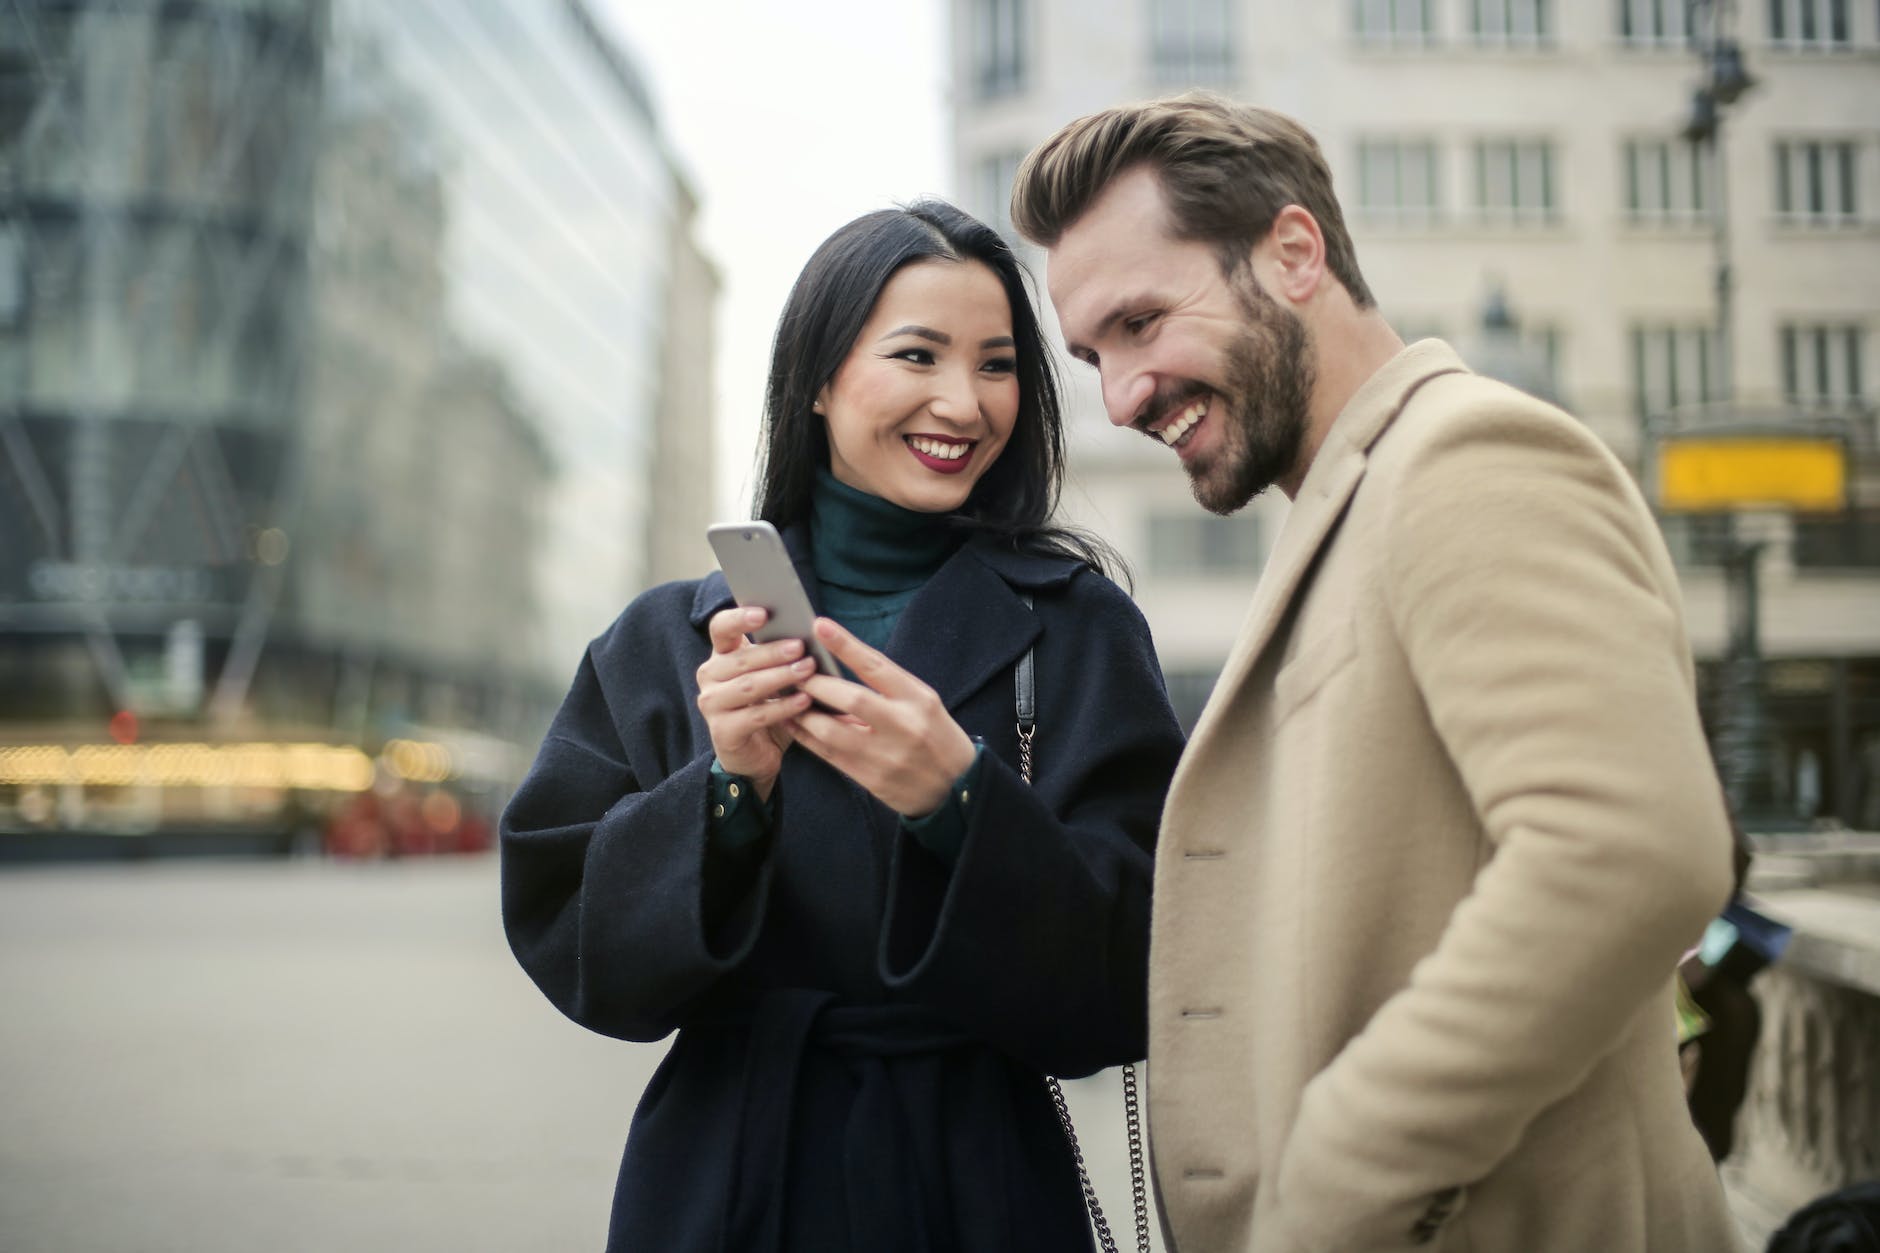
(871, 556)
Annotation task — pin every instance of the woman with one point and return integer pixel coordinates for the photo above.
(872, 936)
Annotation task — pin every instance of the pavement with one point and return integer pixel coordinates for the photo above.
(306, 1055)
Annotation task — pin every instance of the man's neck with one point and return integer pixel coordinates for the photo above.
(1349, 345)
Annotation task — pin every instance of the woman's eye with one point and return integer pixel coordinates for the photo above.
(916, 356)
(1001, 365)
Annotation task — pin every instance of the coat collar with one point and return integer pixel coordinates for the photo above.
(967, 624)
(1328, 487)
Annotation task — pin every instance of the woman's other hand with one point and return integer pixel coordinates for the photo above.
(741, 692)
(894, 736)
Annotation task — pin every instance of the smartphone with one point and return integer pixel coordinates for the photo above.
(758, 568)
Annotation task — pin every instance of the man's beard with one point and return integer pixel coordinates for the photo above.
(1269, 375)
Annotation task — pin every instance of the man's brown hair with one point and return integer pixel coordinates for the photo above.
(1226, 170)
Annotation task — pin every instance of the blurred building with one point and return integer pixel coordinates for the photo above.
(1515, 177)
(354, 366)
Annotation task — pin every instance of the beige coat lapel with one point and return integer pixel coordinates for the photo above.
(1328, 487)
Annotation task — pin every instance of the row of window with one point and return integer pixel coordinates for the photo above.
(1814, 180)
(1821, 365)
(1192, 41)
(1673, 365)
(1799, 24)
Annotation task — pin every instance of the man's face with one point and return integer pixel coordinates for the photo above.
(1207, 364)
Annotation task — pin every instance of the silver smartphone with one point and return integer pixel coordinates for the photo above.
(758, 568)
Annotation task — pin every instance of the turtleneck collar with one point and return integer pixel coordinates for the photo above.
(866, 544)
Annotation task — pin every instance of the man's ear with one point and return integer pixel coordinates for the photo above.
(1294, 252)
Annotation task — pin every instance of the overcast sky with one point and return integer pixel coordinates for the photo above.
(790, 118)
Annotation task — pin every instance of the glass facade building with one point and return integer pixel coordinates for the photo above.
(335, 342)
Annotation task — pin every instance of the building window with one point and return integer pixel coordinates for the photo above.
(1667, 180)
(1821, 364)
(1810, 24)
(1654, 22)
(1545, 342)
(1514, 178)
(1201, 543)
(1398, 178)
(994, 177)
(1193, 41)
(12, 276)
(1671, 367)
(1817, 180)
(1000, 39)
(1188, 692)
(1393, 21)
(1511, 21)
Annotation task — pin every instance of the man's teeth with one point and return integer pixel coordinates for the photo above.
(938, 448)
(1182, 425)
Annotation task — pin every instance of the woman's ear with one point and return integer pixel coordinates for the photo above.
(822, 399)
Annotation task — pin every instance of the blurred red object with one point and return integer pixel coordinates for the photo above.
(357, 829)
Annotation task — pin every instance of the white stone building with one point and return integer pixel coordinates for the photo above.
(1532, 148)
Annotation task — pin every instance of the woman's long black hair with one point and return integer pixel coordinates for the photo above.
(1015, 499)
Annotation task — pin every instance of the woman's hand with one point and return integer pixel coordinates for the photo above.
(741, 693)
(894, 737)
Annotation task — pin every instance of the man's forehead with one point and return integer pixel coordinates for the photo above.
(1129, 209)
(1113, 243)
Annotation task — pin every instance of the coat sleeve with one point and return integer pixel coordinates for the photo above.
(1530, 594)
(608, 889)
(1037, 938)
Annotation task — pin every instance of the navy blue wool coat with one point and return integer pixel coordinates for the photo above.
(862, 1027)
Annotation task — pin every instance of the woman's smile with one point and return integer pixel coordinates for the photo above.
(941, 453)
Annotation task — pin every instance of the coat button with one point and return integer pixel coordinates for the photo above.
(733, 789)
(718, 811)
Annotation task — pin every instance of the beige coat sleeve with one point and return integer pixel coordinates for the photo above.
(1530, 595)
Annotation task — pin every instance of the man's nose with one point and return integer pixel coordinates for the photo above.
(1125, 393)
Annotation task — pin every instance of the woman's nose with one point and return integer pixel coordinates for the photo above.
(954, 397)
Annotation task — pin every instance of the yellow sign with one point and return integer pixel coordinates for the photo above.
(1752, 472)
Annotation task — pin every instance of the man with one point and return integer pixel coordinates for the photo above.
(1448, 820)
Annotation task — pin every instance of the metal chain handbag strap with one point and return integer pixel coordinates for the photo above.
(1027, 708)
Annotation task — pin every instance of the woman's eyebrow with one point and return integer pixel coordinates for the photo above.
(924, 332)
(999, 341)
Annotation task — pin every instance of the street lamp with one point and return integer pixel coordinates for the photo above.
(1725, 81)
(1745, 754)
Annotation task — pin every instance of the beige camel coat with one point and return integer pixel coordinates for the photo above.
(1432, 854)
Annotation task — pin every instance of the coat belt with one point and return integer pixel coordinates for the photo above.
(878, 1155)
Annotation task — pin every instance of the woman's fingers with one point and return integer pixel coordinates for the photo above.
(870, 665)
(761, 717)
(728, 626)
(849, 699)
(752, 687)
(746, 658)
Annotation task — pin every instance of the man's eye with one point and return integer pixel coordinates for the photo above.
(1138, 324)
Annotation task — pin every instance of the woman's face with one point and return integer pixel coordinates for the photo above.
(926, 399)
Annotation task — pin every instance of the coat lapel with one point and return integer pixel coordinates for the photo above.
(1327, 490)
(970, 622)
